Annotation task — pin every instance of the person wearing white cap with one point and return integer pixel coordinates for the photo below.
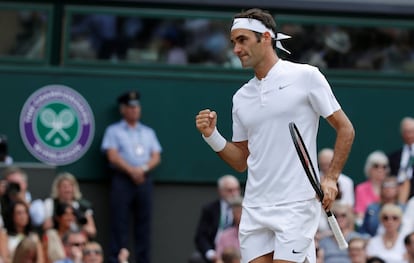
(280, 212)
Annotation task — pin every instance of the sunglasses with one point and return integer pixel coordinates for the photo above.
(377, 165)
(338, 215)
(87, 252)
(77, 244)
(393, 218)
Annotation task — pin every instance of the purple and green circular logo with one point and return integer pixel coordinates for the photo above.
(57, 125)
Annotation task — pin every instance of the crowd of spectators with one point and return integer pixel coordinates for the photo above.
(58, 229)
(204, 41)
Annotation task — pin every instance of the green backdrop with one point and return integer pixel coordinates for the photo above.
(172, 98)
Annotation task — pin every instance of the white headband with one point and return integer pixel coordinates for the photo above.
(257, 26)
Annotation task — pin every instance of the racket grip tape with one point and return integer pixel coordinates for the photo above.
(337, 232)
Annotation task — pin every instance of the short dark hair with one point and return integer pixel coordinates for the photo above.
(263, 16)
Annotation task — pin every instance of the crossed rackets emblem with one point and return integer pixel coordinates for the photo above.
(57, 122)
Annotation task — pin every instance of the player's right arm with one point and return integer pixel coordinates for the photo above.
(233, 153)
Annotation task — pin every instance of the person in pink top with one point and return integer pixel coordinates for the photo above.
(376, 169)
(229, 238)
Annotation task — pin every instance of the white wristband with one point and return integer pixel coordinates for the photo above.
(216, 141)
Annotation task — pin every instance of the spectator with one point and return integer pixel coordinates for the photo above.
(408, 218)
(409, 247)
(29, 250)
(18, 226)
(376, 169)
(402, 160)
(334, 53)
(132, 150)
(53, 246)
(66, 219)
(171, 50)
(74, 242)
(229, 238)
(388, 245)
(93, 253)
(4, 151)
(215, 217)
(357, 250)
(332, 252)
(65, 189)
(389, 194)
(17, 190)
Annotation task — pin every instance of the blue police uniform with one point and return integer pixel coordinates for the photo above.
(135, 145)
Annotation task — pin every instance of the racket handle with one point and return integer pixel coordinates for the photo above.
(337, 232)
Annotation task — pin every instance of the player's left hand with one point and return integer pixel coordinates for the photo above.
(330, 190)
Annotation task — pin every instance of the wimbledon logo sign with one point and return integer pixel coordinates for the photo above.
(57, 125)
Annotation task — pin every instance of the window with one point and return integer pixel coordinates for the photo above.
(164, 37)
(24, 33)
(351, 44)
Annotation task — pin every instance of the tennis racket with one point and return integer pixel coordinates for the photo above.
(313, 178)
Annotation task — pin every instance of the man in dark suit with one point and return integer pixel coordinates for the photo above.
(402, 160)
(215, 217)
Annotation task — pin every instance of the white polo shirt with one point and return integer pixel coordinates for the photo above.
(262, 110)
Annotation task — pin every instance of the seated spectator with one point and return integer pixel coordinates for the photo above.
(215, 217)
(407, 225)
(376, 169)
(357, 250)
(93, 253)
(229, 238)
(18, 226)
(409, 247)
(17, 190)
(29, 250)
(389, 245)
(332, 252)
(402, 160)
(66, 219)
(65, 189)
(53, 246)
(74, 242)
(389, 194)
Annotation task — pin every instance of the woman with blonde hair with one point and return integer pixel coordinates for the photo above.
(388, 245)
(65, 189)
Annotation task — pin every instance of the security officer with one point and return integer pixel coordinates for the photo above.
(132, 150)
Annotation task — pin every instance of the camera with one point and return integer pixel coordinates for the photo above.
(12, 189)
(80, 217)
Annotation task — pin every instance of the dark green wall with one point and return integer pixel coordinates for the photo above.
(171, 99)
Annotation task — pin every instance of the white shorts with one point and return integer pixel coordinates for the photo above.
(288, 230)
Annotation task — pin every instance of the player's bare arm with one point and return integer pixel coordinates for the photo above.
(345, 134)
(233, 153)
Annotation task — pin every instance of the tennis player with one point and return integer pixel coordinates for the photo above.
(280, 212)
